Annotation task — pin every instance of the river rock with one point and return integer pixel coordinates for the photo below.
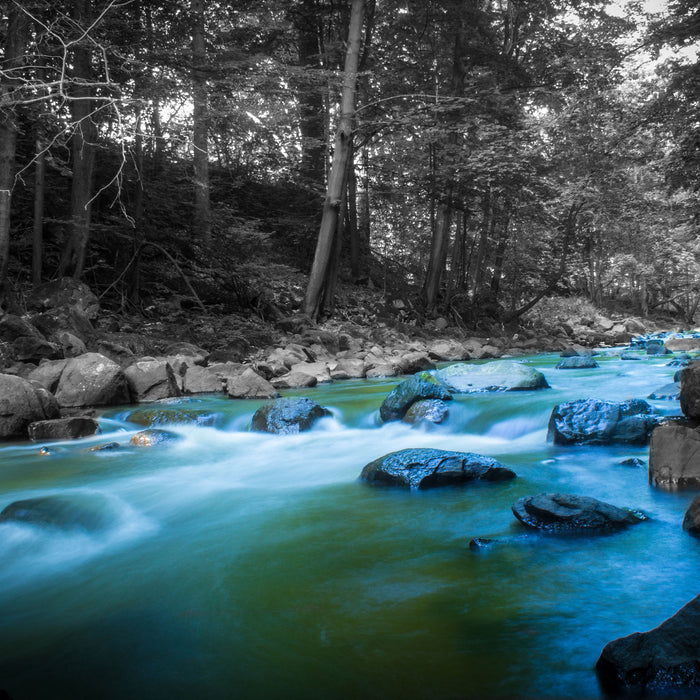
(63, 428)
(22, 403)
(674, 457)
(151, 380)
(662, 662)
(447, 351)
(682, 344)
(656, 347)
(287, 416)
(501, 375)
(348, 368)
(412, 362)
(426, 411)
(152, 437)
(90, 512)
(48, 373)
(66, 291)
(563, 512)
(294, 380)
(670, 391)
(690, 390)
(91, 380)
(597, 422)
(201, 380)
(691, 520)
(401, 397)
(426, 468)
(249, 385)
(320, 370)
(577, 362)
(172, 415)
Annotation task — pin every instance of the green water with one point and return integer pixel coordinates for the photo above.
(242, 565)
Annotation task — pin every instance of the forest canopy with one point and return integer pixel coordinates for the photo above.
(473, 156)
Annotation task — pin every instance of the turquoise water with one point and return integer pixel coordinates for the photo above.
(241, 565)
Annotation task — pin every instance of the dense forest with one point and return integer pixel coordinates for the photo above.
(466, 158)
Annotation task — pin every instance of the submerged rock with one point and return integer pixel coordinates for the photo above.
(577, 362)
(563, 512)
(597, 422)
(690, 390)
(425, 468)
(667, 392)
(171, 415)
(664, 661)
(151, 437)
(402, 397)
(80, 511)
(674, 457)
(427, 411)
(501, 375)
(287, 416)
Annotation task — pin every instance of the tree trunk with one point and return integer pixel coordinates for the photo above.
(438, 255)
(338, 174)
(498, 260)
(83, 150)
(15, 46)
(487, 228)
(38, 225)
(200, 117)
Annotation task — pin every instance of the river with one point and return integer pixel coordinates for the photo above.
(243, 565)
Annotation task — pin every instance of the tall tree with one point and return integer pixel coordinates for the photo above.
(337, 179)
(200, 121)
(10, 82)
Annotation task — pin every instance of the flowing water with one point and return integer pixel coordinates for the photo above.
(242, 565)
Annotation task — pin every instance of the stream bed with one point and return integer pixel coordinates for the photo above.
(242, 565)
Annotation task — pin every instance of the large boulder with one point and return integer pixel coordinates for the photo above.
(426, 468)
(63, 428)
(248, 384)
(563, 512)
(22, 403)
(597, 422)
(662, 662)
(674, 457)
(447, 351)
(682, 344)
(403, 396)
(155, 416)
(200, 380)
(691, 519)
(151, 380)
(23, 342)
(91, 380)
(90, 512)
(501, 375)
(668, 392)
(65, 292)
(294, 380)
(48, 373)
(690, 390)
(412, 362)
(287, 416)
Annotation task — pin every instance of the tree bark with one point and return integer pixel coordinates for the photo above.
(338, 175)
(38, 224)
(200, 118)
(83, 150)
(15, 46)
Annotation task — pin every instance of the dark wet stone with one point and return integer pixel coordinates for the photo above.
(596, 422)
(691, 520)
(427, 411)
(634, 462)
(63, 428)
(670, 392)
(424, 468)
(663, 662)
(563, 512)
(479, 544)
(288, 415)
(674, 457)
(403, 396)
(104, 447)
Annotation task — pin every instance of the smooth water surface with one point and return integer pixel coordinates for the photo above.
(243, 565)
